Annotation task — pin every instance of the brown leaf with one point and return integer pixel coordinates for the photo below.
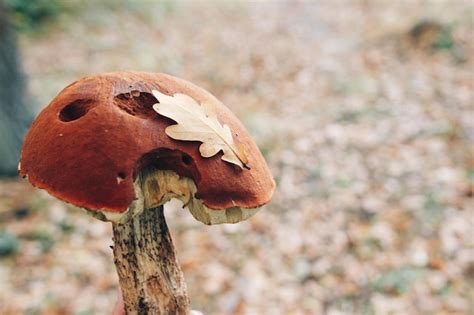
(199, 123)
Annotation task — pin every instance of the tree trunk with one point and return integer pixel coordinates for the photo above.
(15, 116)
(149, 273)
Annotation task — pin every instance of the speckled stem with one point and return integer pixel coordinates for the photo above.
(150, 277)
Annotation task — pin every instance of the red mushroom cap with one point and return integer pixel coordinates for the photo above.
(88, 145)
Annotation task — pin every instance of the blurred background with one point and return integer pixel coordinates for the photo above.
(363, 110)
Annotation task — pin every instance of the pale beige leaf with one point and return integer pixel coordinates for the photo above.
(199, 123)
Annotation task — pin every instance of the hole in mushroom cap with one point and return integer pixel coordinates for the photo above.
(186, 159)
(120, 177)
(166, 159)
(75, 110)
(136, 103)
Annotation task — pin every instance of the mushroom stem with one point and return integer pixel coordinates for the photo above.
(150, 277)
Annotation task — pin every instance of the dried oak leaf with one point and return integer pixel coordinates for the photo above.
(199, 123)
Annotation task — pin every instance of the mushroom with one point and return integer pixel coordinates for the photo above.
(101, 146)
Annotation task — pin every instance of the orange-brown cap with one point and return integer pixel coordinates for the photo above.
(89, 144)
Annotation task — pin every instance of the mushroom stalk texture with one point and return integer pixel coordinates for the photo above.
(150, 277)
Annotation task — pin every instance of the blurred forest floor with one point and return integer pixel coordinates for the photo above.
(364, 112)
